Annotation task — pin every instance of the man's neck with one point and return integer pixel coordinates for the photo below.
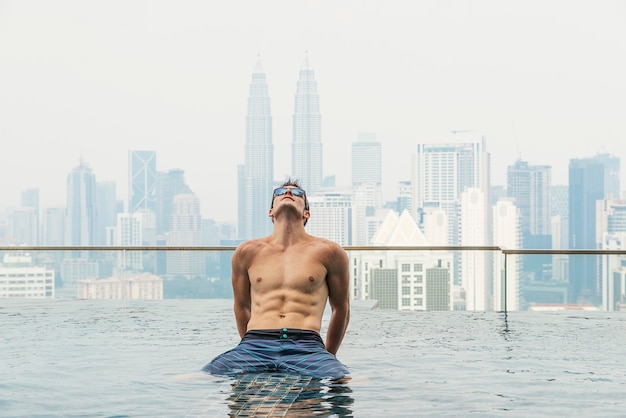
(288, 232)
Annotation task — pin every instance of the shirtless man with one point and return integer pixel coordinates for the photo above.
(281, 284)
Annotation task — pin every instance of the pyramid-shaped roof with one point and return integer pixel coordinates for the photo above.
(399, 231)
(385, 228)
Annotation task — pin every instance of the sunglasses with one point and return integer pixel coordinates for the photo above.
(294, 191)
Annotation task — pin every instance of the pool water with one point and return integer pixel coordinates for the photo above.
(75, 358)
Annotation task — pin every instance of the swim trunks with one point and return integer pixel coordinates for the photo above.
(284, 350)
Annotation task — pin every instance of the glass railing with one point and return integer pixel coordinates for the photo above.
(473, 278)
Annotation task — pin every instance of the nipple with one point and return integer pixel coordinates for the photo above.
(311, 278)
(258, 279)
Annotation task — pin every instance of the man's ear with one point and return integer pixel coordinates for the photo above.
(306, 214)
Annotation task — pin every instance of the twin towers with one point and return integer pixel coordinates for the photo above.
(255, 176)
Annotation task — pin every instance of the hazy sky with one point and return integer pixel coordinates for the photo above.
(542, 80)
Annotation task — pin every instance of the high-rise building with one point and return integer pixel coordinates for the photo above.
(366, 160)
(106, 198)
(53, 226)
(306, 148)
(129, 234)
(530, 187)
(81, 214)
(23, 226)
(590, 180)
(440, 175)
(476, 271)
(331, 217)
(256, 174)
(506, 234)
(366, 200)
(142, 177)
(442, 172)
(403, 201)
(168, 185)
(611, 233)
(30, 199)
(185, 232)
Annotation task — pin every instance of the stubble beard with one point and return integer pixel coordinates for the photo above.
(289, 212)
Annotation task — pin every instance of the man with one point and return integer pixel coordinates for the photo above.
(281, 284)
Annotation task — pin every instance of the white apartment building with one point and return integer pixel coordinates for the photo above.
(476, 273)
(19, 278)
(331, 217)
(402, 279)
(144, 286)
(507, 234)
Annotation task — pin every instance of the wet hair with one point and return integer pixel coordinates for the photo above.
(293, 183)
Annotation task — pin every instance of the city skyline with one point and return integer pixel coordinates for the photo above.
(95, 80)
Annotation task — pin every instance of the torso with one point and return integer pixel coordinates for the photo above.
(288, 286)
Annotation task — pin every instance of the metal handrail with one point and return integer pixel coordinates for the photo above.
(505, 251)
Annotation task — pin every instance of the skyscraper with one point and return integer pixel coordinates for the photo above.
(30, 199)
(590, 180)
(506, 234)
(256, 174)
(331, 217)
(307, 133)
(141, 181)
(80, 219)
(168, 185)
(185, 232)
(476, 272)
(107, 209)
(366, 160)
(129, 233)
(442, 172)
(530, 187)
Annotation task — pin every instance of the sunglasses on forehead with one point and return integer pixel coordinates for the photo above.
(294, 191)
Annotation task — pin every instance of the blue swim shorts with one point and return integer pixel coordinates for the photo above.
(287, 350)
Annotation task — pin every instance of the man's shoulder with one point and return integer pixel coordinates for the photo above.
(328, 245)
(252, 244)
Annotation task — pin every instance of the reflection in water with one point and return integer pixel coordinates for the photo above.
(505, 328)
(284, 395)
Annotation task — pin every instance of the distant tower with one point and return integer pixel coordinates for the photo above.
(168, 185)
(331, 217)
(256, 174)
(30, 199)
(107, 209)
(530, 187)
(475, 266)
(366, 160)
(81, 216)
(53, 227)
(141, 181)
(129, 234)
(590, 180)
(506, 234)
(307, 133)
(185, 232)
(442, 173)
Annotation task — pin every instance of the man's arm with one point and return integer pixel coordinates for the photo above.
(338, 280)
(241, 289)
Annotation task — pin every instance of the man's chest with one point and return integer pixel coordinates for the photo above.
(286, 270)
